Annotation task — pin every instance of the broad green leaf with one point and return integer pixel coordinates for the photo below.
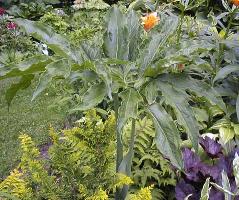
(59, 68)
(225, 71)
(167, 136)
(130, 99)
(237, 107)
(22, 84)
(56, 42)
(236, 169)
(103, 71)
(185, 115)
(116, 44)
(30, 65)
(205, 190)
(226, 134)
(90, 52)
(93, 96)
(134, 34)
(201, 114)
(168, 27)
(200, 88)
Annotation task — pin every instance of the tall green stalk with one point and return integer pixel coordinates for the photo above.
(129, 158)
(119, 144)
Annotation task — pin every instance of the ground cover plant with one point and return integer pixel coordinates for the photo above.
(151, 90)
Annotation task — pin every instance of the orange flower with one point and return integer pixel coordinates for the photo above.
(235, 2)
(181, 66)
(150, 20)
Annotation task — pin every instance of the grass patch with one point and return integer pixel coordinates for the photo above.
(24, 116)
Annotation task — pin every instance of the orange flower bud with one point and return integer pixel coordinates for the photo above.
(150, 20)
(235, 2)
(180, 66)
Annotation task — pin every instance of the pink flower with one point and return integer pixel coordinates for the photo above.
(2, 11)
(11, 26)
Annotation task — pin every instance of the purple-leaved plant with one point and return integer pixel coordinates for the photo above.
(197, 171)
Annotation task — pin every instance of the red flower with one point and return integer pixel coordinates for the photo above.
(2, 11)
(11, 26)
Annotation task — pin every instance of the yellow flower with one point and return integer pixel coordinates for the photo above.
(150, 20)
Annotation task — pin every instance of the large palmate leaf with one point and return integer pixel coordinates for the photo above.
(168, 27)
(129, 107)
(167, 136)
(31, 65)
(116, 44)
(59, 68)
(93, 96)
(56, 42)
(225, 71)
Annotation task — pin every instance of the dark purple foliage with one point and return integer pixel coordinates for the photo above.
(191, 164)
(210, 146)
(196, 171)
(216, 195)
(183, 189)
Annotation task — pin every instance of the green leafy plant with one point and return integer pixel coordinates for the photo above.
(134, 73)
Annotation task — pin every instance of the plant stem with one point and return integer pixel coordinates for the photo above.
(119, 148)
(130, 156)
(131, 147)
(119, 144)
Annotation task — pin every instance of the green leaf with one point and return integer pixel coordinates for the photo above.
(93, 96)
(56, 42)
(116, 44)
(225, 71)
(59, 68)
(103, 71)
(22, 84)
(237, 107)
(130, 99)
(185, 115)
(134, 34)
(226, 134)
(31, 65)
(200, 88)
(205, 190)
(169, 26)
(167, 136)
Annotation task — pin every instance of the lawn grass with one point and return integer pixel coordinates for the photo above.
(24, 116)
